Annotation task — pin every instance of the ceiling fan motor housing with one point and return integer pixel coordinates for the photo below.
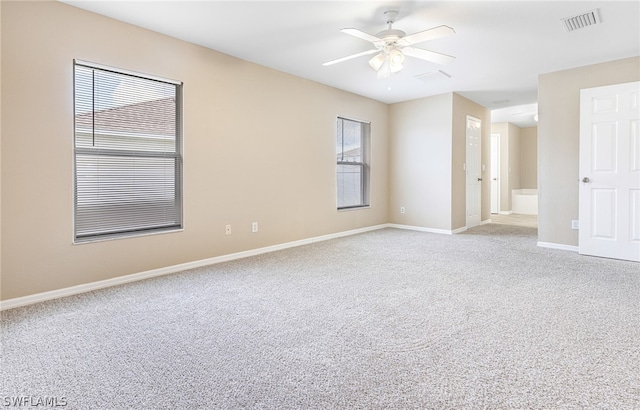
(391, 35)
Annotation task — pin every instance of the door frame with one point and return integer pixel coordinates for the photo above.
(495, 160)
(472, 175)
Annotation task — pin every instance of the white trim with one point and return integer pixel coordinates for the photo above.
(134, 277)
(433, 230)
(423, 229)
(470, 118)
(126, 72)
(353, 208)
(497, 176)
(342, 117)
(505, 212)
(560, 246)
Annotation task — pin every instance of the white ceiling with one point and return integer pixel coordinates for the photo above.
(500, 46)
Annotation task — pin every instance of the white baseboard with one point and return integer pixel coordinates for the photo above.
(88, 287)
(423, 229)
(505, 212)
(560, 246)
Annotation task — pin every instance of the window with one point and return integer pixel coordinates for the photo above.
(127, 153)
(352, 149)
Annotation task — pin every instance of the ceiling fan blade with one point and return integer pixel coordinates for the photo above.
(339, 60)
(360, 34)
(426, 35)
(428, 55)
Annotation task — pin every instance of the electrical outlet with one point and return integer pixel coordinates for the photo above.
(227, 230)
(254, 227)
(402, 209)
(575, 224)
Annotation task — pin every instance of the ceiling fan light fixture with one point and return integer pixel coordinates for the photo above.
(395, 60)
(377, 61)
(396, 56)
(387, 62)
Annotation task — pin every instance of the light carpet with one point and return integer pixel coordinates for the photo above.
(390, 319)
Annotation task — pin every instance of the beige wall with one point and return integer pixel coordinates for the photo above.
(427, 156)
(420, 158)
(259, 145)
(461, 108)
(529, 157)
(558, 142)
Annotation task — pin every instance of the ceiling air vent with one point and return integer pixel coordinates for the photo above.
(581, 20)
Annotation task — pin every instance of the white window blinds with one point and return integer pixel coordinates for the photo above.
(128, 165)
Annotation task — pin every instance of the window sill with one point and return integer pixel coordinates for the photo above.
(354, 208)
(131, 236)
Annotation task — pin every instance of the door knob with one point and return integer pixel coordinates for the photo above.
(586, 180)
(479, 179)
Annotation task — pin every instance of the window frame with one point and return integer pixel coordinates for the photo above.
(176, 156)
(363, 165)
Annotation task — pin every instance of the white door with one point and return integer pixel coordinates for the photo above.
(610, 171)
(495, 172)
(473, 168)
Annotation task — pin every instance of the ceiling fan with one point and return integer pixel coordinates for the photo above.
(392, 45)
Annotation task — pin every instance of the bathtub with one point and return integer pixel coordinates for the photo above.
(524, 201)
